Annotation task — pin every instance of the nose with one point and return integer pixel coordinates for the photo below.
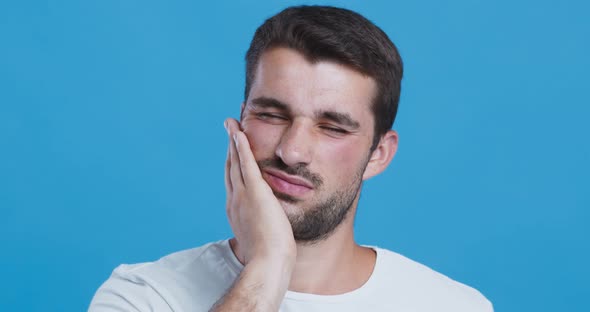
(295, 147)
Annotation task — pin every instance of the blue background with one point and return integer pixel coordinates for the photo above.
(112, 145)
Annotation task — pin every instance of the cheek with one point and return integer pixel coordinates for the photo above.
(263, 138)
(342, 159)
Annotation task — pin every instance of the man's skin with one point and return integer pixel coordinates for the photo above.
(304, 132)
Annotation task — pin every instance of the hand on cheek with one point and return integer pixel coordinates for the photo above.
(256, 217)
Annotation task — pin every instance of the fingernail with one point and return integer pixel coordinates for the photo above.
(236, 139)
(225, 124)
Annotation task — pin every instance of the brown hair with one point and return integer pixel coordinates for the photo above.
(340, 35)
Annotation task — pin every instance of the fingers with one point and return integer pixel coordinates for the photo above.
(242, 163)
(227, 178)
(249, 168)
(235, 173)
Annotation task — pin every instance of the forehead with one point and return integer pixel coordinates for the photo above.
(308, 87)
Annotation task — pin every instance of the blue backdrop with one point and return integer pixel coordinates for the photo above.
(112, 145)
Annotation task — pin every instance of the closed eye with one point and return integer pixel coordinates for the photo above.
(335, 130)
(270, 116)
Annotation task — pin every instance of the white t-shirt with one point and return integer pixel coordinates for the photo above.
(194, 279)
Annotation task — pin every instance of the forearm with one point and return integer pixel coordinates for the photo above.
(261, 286)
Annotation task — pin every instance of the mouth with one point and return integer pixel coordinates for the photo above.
(286, 184)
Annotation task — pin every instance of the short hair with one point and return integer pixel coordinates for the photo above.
(328, 33)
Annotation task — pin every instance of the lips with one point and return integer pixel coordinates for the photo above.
(290, 185)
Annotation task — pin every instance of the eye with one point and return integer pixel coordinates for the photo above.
(270, 116)
(334, 130)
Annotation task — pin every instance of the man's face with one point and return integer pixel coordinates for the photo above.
(310, 128)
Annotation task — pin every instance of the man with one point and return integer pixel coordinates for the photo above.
(322, 87)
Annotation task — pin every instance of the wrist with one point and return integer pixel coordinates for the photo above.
(273, 266)
(265, 282)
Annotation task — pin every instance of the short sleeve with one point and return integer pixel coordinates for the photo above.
(127, 293)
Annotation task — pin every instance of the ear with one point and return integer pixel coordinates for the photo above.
(382, 155)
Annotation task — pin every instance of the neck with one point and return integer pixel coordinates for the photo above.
(332, 266)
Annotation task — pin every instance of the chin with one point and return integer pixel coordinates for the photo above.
(292, 209)
(289, 206)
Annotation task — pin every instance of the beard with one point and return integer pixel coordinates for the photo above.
(317, 222)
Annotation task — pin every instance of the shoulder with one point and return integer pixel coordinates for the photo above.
(196, 276)
(191, 263)
(419, 285)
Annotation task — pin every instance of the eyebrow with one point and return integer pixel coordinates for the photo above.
(337, 117)
(340, 118)
(266, 102)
